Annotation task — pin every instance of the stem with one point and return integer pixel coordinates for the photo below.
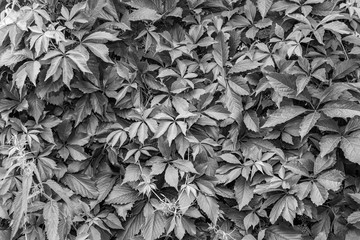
(343, 48)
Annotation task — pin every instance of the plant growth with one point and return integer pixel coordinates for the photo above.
(180, 119)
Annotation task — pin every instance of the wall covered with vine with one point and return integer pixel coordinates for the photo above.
(180, 119)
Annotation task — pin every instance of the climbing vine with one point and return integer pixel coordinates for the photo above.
(179, 119)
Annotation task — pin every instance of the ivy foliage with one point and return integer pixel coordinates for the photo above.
(180, 119)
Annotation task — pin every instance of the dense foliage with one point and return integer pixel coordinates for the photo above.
(180, 119)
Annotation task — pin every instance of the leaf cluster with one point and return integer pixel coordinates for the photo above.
(179, 119)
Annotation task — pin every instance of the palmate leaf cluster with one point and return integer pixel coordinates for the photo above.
(180, 119)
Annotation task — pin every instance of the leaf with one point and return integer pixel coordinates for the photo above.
(301, 83)
(282, 233)
(103, 9)
(186, 200)
(289, 212)
(100, 50)
(221, 50)
(167, 73)
(333, 92)
(29, 69)
(300, 18)
(98, 101)
(77, 153)
(122, 210)
(163, 127)
(81, 184)
(54, 67)
(82, 109)
(308, 123)
(79, 59)
(283, 114)
(79, 138)
(267, 146)
(283, 84)
(351, 147)
(303, 189)
(100, 37)
(264, 6)
(5, 234)
(154, 226)
(328, 143)
(352, 234)
(244, 66)
(355, 197)
(60, 191)
(328, 124)
(144, 14)
(233, 103)
(344, 68)
(209, 205)
(338, 27)
(230, 158)
(318, 194)
(184, 165)
(182, 107)
(331, 180)
(179, 227)
(172, 132)
(353, 125)
(132, 227)
(104, 184)
(251, 220)
(33, 70)
(9, 58)
(132, 173)
(251, 121)
(20, 205)
(122, 194)
(297, 168)
(239, 86)
(324, 225)
(172, 176)
(51, 218)
(143, 133)
(321, 236)
(36, 107)
(279, 31)
(6, 104)
(341, 109)
(67, 73)
(217, 112)
(18, 215)
(243, 192)
(277, 210)
(248, 237)
(323, 163)
(354, 217)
